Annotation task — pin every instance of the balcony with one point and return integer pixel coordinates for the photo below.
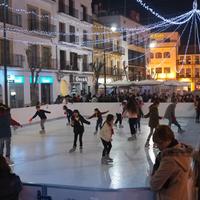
(66, 65)
(86, 18)
(68, 10)
(11, 18)
(118, 49)
(69, 38)
(87, 67)
(13, 60)
(43, 62)
(107, 46)
(87, 43)
(41, 25)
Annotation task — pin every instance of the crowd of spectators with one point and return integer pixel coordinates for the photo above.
(145, 96)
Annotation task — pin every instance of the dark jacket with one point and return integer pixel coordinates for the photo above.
(5, 120)
(77, 123)
(10, 186)
(153, 116)
(41, 114)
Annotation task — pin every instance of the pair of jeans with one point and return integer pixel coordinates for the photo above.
(42, 121)
(107, 147)
(132, 124)
(174, 121)
(76, 134)
(99, 124)
(7, 142)
(119, 118)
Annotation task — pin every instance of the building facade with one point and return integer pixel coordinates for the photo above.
(49, 36)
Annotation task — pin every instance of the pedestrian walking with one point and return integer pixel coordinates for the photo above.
(98, 114)
(172, 168)
(77, 123)
(132, 113)
(170, 115)
(154, 117)
(42, 116)
(68, 112)
(106, 133)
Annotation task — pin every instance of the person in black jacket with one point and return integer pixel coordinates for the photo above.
(77, 123)
(10, 184)
(68, 113)
(43, 117)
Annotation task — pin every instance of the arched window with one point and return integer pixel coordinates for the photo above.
(167, 55)
(158, 55)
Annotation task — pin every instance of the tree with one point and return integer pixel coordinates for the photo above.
(35, 69)
(96, 68)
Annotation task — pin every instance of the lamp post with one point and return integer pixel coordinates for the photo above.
(104, 62)
(5, 53)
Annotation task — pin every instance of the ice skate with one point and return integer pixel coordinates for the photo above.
(108, 158)
(95, 132)
(81, 149)
(104, 161)
(42, 132)
(72, 150)
(9, 161)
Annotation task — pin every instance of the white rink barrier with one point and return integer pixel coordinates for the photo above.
(24, 114)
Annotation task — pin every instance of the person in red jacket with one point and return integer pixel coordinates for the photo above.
(98, 114)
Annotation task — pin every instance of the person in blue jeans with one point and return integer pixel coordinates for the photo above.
(98, 114)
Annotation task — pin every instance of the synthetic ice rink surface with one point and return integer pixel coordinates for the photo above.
(45, 158)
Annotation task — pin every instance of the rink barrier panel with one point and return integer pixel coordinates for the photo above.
(56, 192)
(86, 109)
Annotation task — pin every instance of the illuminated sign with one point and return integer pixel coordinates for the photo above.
(43, 79)
(15, 79)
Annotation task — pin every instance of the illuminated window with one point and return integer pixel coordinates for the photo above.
(167, 70)
(159, 70)
(151, 55)
(166, 54)
(158, 55)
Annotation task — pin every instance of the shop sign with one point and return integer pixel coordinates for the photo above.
(15, 79)
(80, 79)
(43, 79)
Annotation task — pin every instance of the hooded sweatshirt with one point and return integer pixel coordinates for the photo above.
(170, 179)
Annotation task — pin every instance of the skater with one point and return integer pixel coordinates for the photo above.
(153, 116)
(132, 113)
(43, 117)
(68, 113)
(5, 133)
(140, 114)
(172, 169)
(98, 114)
(170, 115)
(119, 114)
(197, 107)
(106, 133)
(77, 123)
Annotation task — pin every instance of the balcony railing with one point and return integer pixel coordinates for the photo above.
(110, 71)
(11, 18)
(13, 60)
(41, 25)
(87, 67)
(63, 8)
(66, 65)
(43, 62)
(86, 17)
(69, 38)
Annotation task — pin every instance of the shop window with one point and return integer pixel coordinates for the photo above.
(151, 55)
(167, 70)
(159, 70)
(167, 55)
(188, 73)
(158, 55)
(197, 72)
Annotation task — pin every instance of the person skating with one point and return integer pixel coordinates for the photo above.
(170, 115)
(106, 133)
(154, 117)
(68, 112)
(98, 114)
(43, 117)
(132, 113)
(197, 107)
(119, 114)
(172, 168)
(77, 122)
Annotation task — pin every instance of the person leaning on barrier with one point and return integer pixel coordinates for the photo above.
(10, 184)
(172, 169)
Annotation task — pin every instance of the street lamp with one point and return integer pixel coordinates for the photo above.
(5, 53)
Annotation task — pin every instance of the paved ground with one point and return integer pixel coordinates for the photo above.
(45, 158)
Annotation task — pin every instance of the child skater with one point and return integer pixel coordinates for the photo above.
(106, 133)
(119, 114)
(98, 114)
(68, 113)
(43, 117)
(77, 123)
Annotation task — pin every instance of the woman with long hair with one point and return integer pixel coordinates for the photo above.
(106, 133)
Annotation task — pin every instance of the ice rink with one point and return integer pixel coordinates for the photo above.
(45, 158)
